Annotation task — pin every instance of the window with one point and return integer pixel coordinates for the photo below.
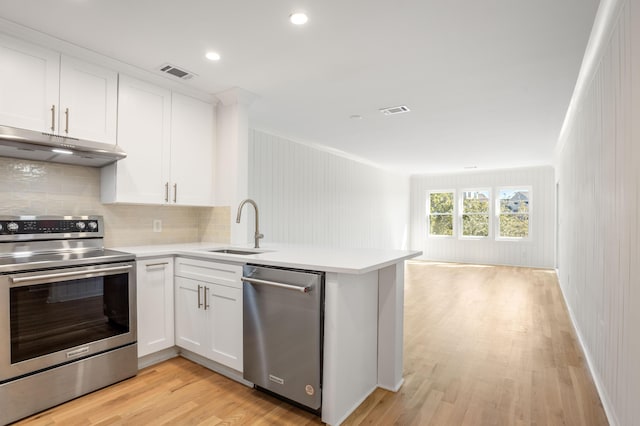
(475, 213)
(514, 208)
(441, 204)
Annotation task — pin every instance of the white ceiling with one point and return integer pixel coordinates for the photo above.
(488, 82)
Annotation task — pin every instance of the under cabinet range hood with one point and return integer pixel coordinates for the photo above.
(31, 145)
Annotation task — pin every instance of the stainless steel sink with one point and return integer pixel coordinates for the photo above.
(234, 251)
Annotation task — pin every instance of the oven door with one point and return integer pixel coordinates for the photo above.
(55, 316)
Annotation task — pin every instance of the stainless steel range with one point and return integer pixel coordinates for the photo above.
(67, 312)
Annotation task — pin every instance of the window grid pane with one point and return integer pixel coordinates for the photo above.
(441, 225)
(475, 225)
(475, 213)
(441, 206)
(441, 202)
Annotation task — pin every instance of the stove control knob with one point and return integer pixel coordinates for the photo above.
(81, 225)
(1, 227)
(92, 226)
(13, 227)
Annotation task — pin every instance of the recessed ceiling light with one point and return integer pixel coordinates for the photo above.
(355, 117)
(212, 56)
(298, 18)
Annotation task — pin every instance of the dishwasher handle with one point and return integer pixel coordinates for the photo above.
(306, 289)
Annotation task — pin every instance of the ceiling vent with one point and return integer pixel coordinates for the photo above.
(395, 110)
(180, 73)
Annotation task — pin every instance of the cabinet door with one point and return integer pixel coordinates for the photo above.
(155, 305)
(88, 101)
(144, 121)
(225, 325)
(190, 316)
(192, 151)
(29, 81)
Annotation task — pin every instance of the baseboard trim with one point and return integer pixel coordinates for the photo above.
(214, 366)
(604, 398)
(396, 388)
(157, 357)
(353, 408)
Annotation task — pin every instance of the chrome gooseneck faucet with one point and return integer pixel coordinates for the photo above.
(257, 235)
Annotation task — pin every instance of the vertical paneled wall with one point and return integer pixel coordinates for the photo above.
(597, 171)
(308, 196)
(538, 251)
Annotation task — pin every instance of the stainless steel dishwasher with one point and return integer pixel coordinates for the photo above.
(283, 332)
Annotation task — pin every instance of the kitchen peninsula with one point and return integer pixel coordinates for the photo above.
(363, 315)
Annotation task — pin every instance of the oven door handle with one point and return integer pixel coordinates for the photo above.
(87, 273)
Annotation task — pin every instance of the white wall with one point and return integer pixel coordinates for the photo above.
(231, 182)
(308, 196)
(597, 170)
(538, 251)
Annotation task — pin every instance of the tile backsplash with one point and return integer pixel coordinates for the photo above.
(39, 188)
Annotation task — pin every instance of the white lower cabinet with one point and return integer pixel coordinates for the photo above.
(225, 331)
(190, 315)
(208, 310)
(155, 305)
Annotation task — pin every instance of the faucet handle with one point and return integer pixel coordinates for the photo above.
(257, 237)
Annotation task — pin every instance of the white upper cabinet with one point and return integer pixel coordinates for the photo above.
(169, 141)
(144, 132)
(43, 92)
(29, 85)
(192, 155)
(88, 101)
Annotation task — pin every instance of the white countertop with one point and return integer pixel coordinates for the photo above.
(346, 261)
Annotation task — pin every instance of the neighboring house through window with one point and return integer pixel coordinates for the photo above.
(514, 209)
(441, 213)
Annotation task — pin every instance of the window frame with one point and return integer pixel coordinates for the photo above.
(461, 213)
(453, 213)
(498, 213)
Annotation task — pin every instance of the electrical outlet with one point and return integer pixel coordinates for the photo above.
(157, 225)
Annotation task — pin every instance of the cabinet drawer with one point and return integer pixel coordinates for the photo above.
(208, 271)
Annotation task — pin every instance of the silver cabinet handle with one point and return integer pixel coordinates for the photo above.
(66, 120)
(84, 274)
(306, 289)
(199, 303)
(206, 305)
(53, 118)
(166, 192)
(148, 265)
(175, 192)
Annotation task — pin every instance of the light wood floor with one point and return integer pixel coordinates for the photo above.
(483, 345)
